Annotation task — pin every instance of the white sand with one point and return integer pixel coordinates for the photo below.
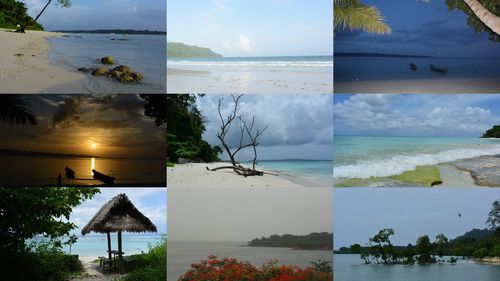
(31, 72)
(92, 271)
(438, 85)
(196, 175)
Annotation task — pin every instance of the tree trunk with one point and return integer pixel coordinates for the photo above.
(45, 7)
(489, 19)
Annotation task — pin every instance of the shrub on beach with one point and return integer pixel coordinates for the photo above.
(231, 269)
(151, 266)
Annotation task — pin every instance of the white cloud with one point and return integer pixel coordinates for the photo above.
(244, 44)
(220, 5)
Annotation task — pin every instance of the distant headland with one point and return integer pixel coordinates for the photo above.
(181, 50)
(13, 152)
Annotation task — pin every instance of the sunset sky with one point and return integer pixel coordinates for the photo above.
(103, 126)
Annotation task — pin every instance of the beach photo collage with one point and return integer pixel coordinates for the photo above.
(263, 140)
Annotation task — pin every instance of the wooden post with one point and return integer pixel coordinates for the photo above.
(109, 245)
(120, 254)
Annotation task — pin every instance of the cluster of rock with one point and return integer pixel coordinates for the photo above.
(122, 73)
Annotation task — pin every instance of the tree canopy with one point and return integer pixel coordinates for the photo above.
(13, 13)
(493, 132)
(353, 14)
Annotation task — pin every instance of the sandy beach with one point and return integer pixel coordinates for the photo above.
(92, 271)
(438, 85)
(196, 175)
(24, 63)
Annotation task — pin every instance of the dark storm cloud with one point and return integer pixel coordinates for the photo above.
(68, 110)
(105, 124)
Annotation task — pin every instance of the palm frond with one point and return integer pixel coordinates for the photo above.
(14, 110)
(352, 15)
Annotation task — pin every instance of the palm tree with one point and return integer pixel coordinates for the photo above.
(352, 14)
(489, 19)
(13, 110)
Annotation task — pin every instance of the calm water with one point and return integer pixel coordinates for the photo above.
(299, 74)
(43, 171)
(303, 171)
(182, 254)
(143, 53)
(375, 68)
(95, 245)
(364, 157)
(350, 268)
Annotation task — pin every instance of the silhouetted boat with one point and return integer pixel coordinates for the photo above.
(439, 69)
(413, 66)
(69, 173)
(102, 177)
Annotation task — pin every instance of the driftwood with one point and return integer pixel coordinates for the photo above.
(240, 170)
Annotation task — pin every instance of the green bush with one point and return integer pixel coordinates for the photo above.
(151, 266)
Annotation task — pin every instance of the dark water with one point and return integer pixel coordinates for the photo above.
(387, 68)
(182, 254)
(350, 268)
(43, 171)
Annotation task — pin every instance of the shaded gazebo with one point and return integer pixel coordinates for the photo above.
(118, 215)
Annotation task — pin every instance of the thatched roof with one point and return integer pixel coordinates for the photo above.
(119, 214)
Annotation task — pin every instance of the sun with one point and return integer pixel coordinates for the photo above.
(93, 145)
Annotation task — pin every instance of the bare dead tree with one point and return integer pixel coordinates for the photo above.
(243, 142)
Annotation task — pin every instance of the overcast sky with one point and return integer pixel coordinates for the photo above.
(300, 126)
(360, 213)
(242, 214)
(467, 115)
(152, 202)
(101, 14)
(253, 28)
(103, 126)
(420, 27)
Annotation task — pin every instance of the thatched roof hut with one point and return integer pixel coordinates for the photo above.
(118, 215)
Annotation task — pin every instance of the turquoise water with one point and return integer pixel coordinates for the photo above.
(364, 157)
(276, 61)
(369, 68)
(143, 53)
(312, 171)
(350, 268)
(95, 245)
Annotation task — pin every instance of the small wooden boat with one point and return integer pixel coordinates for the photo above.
(413, 66)
(439, 69)
(102, 177)
(69, 173)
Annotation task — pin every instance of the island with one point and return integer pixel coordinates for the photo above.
(313, 241)
(493, 132)
(14, 152)
(180, 50)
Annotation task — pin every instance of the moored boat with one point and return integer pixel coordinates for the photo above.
(413, 66)
(439, 69)
(102, 177)
(69, 173)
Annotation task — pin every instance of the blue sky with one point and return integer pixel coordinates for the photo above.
(420, 28)
(253, 28)
(99, 14)
(361, 213)
(439, 115)
(152, 202)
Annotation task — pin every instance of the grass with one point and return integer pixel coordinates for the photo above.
(170, 164)
(423, 175)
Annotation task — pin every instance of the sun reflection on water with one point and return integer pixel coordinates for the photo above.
(91, 172)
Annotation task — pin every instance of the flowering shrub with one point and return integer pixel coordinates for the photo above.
(230, 269)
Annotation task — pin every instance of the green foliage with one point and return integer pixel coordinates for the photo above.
(493, 220)
(155, 107)
(185, 129)
(13, 13)
(493, 132)
(180, 50)
(151, 266)
(323, 240)
(353, 14)
(472, 20)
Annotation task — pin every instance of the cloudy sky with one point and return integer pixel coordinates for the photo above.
(104, 126)
(467, 115)
(101, 14)
(152, 202)
(253, 28)
(242, 214)
(410, 212)
(300, 126)
(420, 28)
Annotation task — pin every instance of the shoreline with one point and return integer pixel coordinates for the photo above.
(489, 260)
(425, 85)
(196, 175)
(25, 66)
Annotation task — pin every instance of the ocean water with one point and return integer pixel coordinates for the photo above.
(386, 68)
(350, 267)
(310, 172)
(299, 74)
(364, 157)
(182, 254)
(96, 245)
(143, 53)
(43, 171)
